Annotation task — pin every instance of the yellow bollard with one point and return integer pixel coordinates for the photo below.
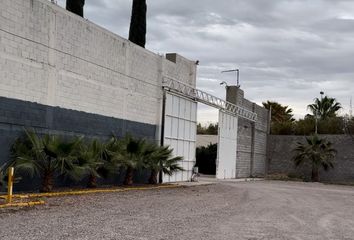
(10, 185)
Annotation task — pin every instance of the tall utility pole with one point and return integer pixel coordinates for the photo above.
(237, 71)
(318, 113)
(351, 108)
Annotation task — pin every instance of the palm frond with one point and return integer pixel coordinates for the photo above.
(325, 108)
(162, 160)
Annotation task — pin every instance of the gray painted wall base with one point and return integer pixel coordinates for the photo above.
(16, 115)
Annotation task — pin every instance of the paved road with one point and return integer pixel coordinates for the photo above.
(228, 210)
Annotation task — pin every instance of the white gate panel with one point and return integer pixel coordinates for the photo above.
(227, 146)
(180, 131)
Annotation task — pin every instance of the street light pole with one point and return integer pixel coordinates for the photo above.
(237, 75)
(318, 113)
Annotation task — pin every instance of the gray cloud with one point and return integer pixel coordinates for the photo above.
(287, 50)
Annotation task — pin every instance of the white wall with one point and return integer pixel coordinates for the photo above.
(53, 57)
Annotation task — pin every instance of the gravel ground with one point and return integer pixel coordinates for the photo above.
(227, 210)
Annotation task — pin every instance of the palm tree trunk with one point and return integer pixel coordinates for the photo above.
(47, 182)
(76, 6)
(153, 177)
(92, 181)
(315, 177)
(137, 31)
(129, 176)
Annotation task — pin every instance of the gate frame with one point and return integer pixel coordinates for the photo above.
(184, 90)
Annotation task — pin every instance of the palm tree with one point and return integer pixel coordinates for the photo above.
(112, 157)
(324, 108)
(160, 159)
(137, 31)
(282, 121)
(76, 6)
(45, 157)
(280, 113)
(318, 151)
(91, 158)
(130, 153)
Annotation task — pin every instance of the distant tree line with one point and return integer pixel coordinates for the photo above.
(211, 129)
(324, 111)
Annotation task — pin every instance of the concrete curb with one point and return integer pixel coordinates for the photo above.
(82, 192)
(27, 204)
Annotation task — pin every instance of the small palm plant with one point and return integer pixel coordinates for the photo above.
(91, 157)
(45, 157)
(161, 160)
(112, 157)
(130, 154)
(318, 151)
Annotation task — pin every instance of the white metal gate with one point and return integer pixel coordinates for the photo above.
(180, 129)
(227, 146)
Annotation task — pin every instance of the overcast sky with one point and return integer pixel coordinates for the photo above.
(287, 50)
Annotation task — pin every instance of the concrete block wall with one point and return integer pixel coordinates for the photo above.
(62, 73)
(53, 57)
(280, 152)
(252, 137)
(260, 141)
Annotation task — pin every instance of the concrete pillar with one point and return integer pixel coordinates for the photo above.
(234, 95)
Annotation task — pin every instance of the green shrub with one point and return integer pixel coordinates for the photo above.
(304, 126)
(212, 129)
(282, 128)
(334, 125)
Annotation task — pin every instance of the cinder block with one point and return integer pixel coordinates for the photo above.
(94, 72)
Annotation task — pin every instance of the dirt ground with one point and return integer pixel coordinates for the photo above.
(225, 210)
